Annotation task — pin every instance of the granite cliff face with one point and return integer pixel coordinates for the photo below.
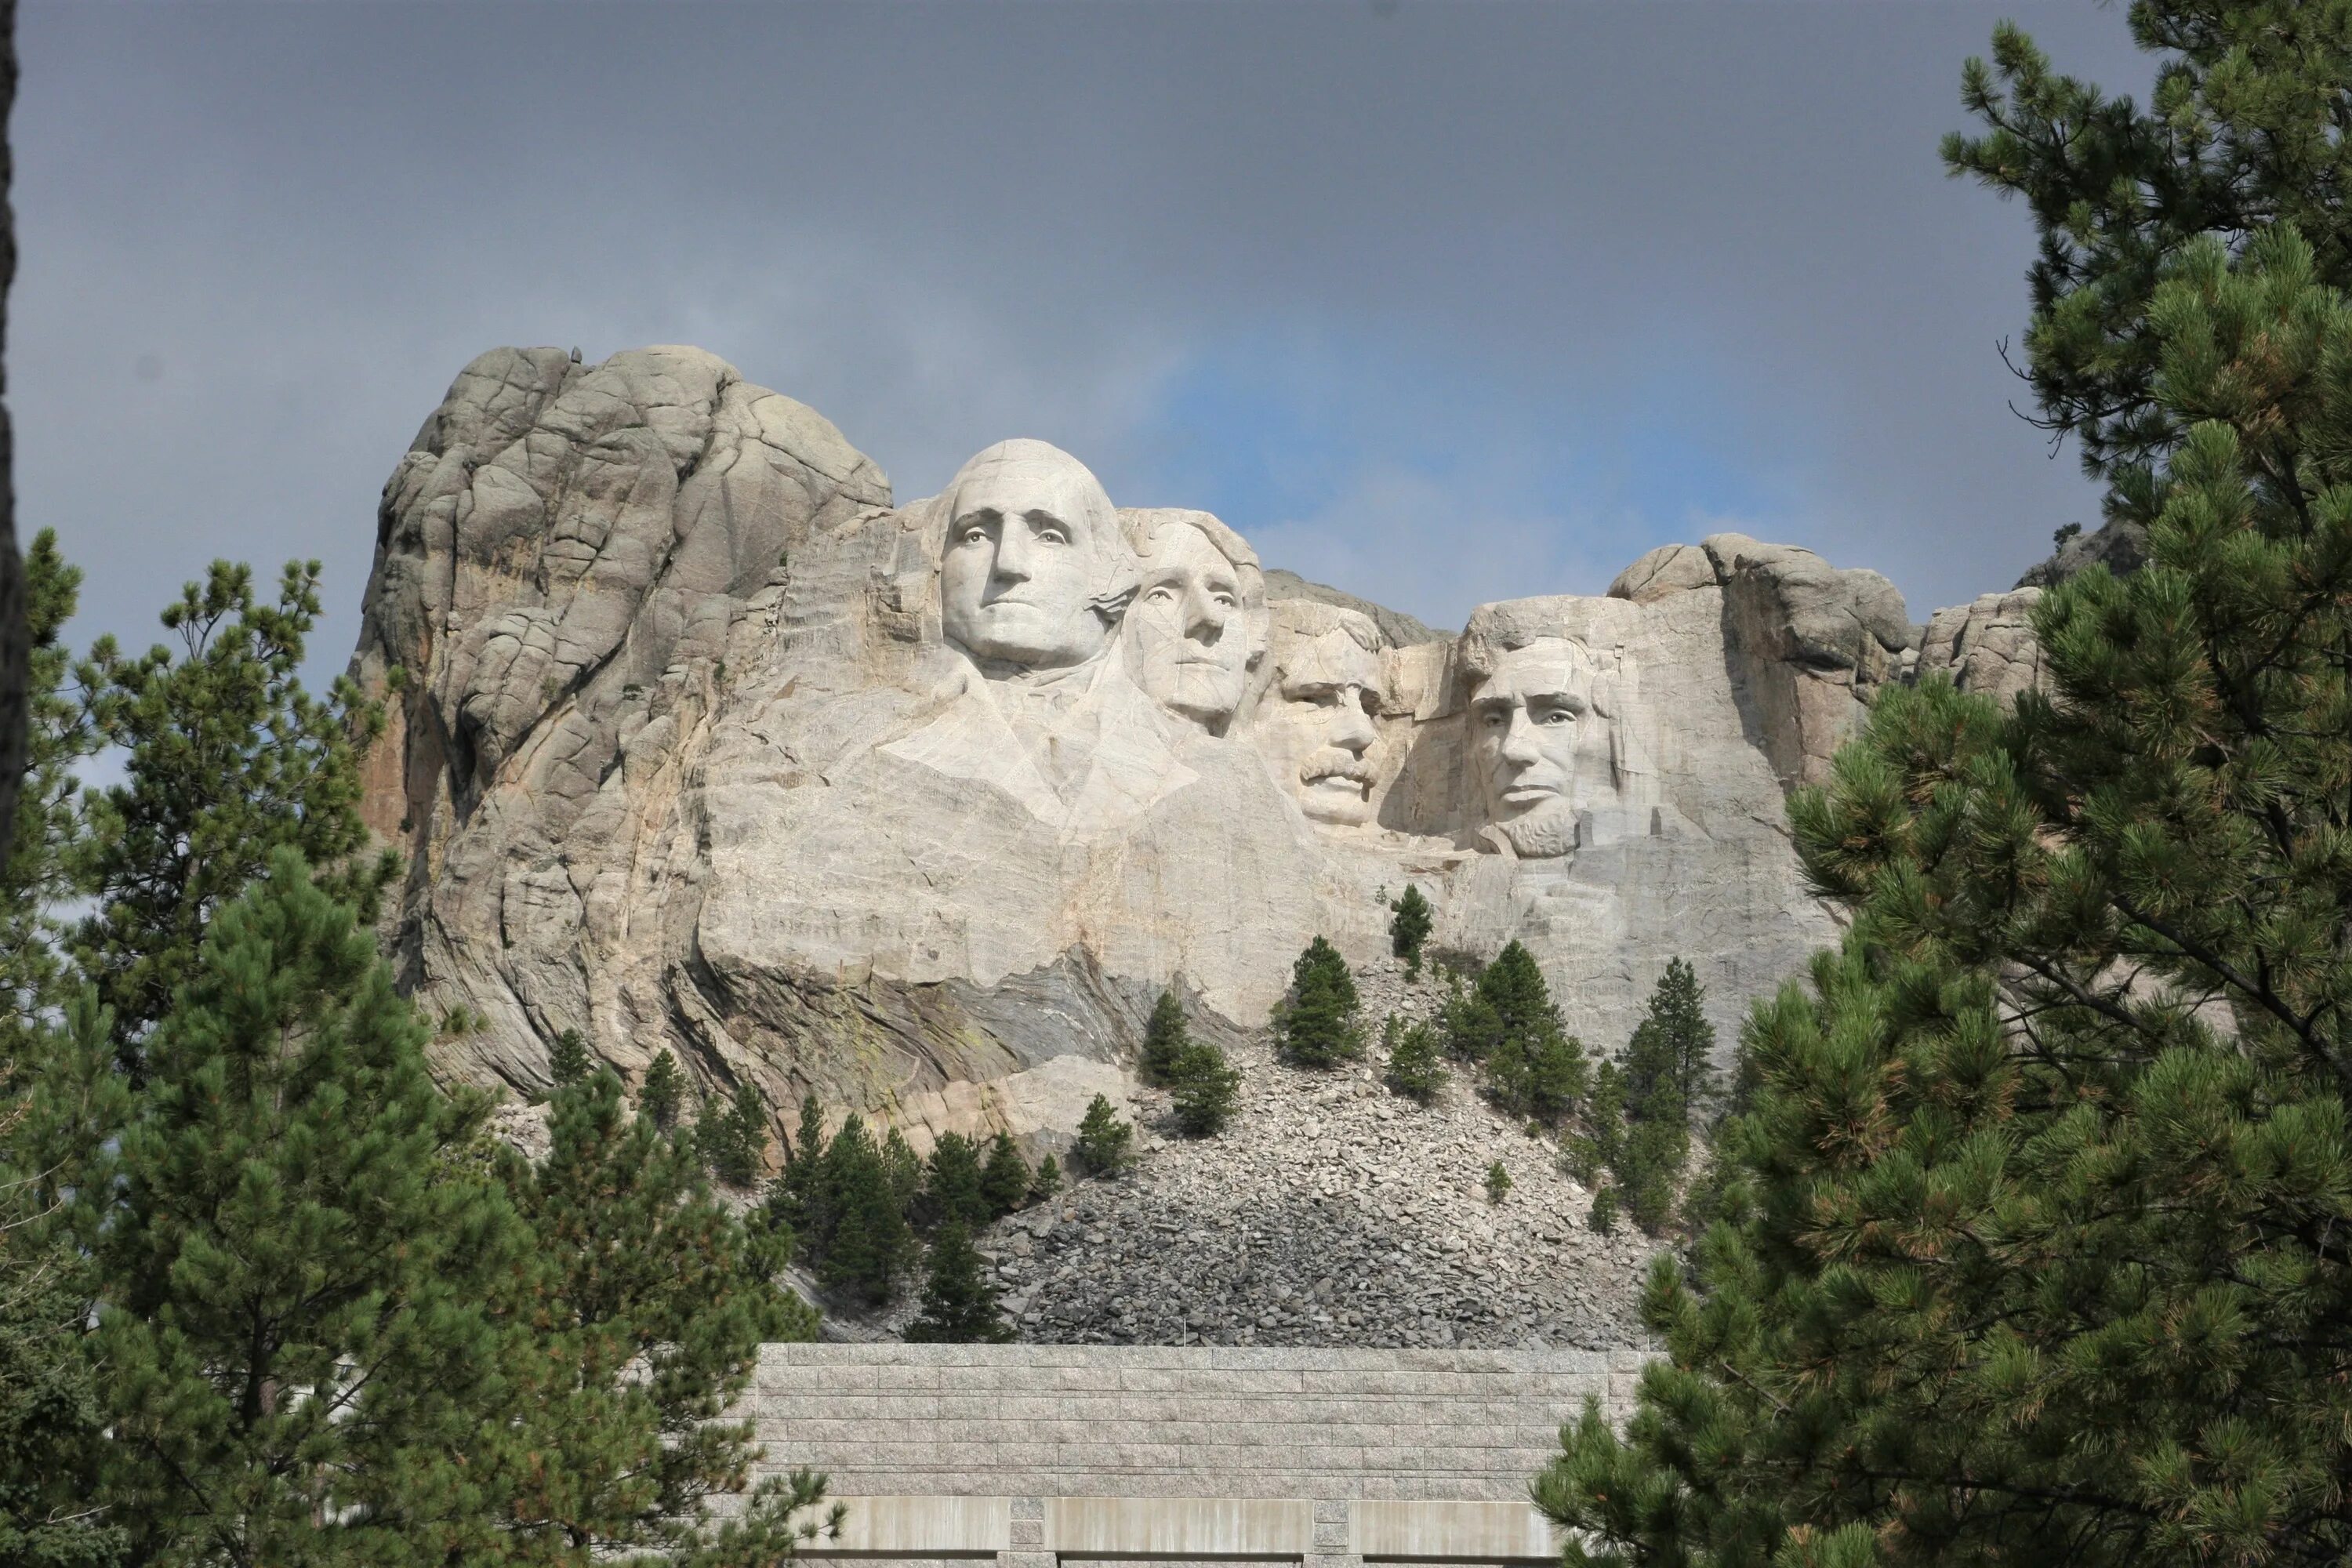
(699, 741)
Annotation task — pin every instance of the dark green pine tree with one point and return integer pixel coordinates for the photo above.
(1535, 1067)
(1409, 925)
(952, 1193)
(645, 1310)
(59, 1104)
(663, 1092)
(2244, 131)
(1206, 1088)
(960, 1301)
(1164, 1038)
(1317, 1026)
(298, 1264)
(1004, 1179)
(1415, 1069)
(1047, 1181)
(733, 1138)
(798, 1200)
(567, 1060)
(903, 1168)
(1104, 1145)
(227, 758)
(1667, 1063)
(2034, 1240)
(53, 1441)
(1473, 1029)
(868, 1245)
(41, 871)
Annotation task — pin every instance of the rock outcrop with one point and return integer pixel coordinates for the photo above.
(701, 743)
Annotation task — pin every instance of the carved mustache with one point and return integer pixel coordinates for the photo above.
(1336, 764)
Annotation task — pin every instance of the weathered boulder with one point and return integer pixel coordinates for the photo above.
(699, 743)
(1986, 645)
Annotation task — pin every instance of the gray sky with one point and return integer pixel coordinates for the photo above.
(1437, 302)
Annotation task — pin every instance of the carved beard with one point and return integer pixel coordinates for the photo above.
(1541, 835)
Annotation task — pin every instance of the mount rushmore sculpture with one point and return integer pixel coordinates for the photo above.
(699, 742)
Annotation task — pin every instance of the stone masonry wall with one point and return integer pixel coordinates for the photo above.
(1119, 1421)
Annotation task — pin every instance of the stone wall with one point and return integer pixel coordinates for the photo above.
(1213, 1422)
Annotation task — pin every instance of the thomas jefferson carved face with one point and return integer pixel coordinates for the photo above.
(1527, 721)
(1318, 737)
(1033, 567)
(1191, 639)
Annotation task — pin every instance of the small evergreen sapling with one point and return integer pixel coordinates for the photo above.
(960, 1301)
(1415, 1069)
(1004, 1180)
(1409, 924)
(1498, 1181)
(1164, 1038)
(1103, 1146)
(663, 1092)
(1603, 1217)
(1206, 1086)
(1047, 1181)
(567, 1060)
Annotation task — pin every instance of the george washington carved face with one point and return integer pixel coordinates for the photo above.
(1033, 569)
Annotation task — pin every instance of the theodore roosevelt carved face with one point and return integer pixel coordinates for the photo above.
(1033, 570)
(1528, 716)
(1316, 729)
(1196, 627)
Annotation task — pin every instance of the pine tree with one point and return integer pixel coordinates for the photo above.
(1004, 1179)
(59, 1104)
(1164, 1038)
(1685, 1040)
(1102, 1148)
(298, 1271)
(2244, 131)
(798, 1200)
(1415, 1069)
(1534, 1067)
(1048, 1179)
(1206, 1086)
(1473, 1029)
(734, 1138)
(567, 1060)
(647, 1301)
(1602, 1218)
(960, 1301)
(664, 1090)
(39, 874)
(1409, 926)
(951, 1185)
(868, 1244)
(1317, 1026)
(1497, 1183)
(227, 758)
(2032, 1243)
(1665, 1064)
(902, 1169)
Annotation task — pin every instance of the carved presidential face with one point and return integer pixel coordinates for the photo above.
(1188, 633)
(1319, 736)
(1526, 720)
(1028, 559)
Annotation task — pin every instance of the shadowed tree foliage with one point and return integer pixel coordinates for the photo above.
(960, 1301)
(1004, 1179)
(1164, 1038)
(1206, 1086)
(663, 1092)
(1103, 1146)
